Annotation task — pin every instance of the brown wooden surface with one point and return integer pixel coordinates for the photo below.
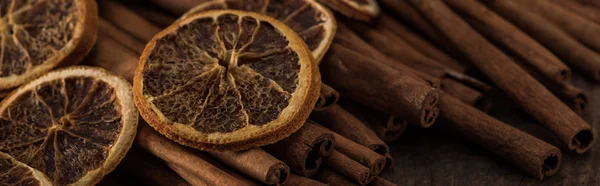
(438, 157)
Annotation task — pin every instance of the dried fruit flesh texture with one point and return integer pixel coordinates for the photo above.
(33, 31)
(15, 173)
(63, 128)
(221, 74)
(303, 16)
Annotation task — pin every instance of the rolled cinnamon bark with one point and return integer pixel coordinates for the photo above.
(379, 86)
(188, 176)
(121, 36)
(327, 98)
(178, 7)
(575, 54)
(498, 29)
(346, 37)
(349, 168)
(295, 179)
(153, 15)
(303, 150)
(585, 30)
(177, 155)
(419, 43)
(342, 122)
(255, 163)
(123, 17)
(330, 177)
(109, 54)
(150, 170)
(578, 7)
(507, 75)
(532, 155)
(363, 155)
(410, 15)
(378, 181)
(396, 48)
(388, 128)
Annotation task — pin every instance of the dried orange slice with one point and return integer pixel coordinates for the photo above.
(313, 22)
(14, 172)
(226, 80)
(74, 125)
(37, 36)
(364, 10)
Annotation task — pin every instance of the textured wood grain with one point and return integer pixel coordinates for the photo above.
(436, 157)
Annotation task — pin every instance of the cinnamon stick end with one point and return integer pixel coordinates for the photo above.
(278, 174)
(325, 147)
(551, 163)
(564, 75)
(582, 141)
(326, 101)
(430, 111)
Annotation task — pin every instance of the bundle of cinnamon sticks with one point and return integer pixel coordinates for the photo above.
(422, 63)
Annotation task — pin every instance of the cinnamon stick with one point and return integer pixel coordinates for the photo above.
(349, 168)
(177, 155)
(363, 155)
(585, 30)
(123, 17)
(330, 177)
(150, 170)
(153, 15)
(507, 75)
(379, 86)
(575, 54)
(295, 179)
(581, 9)
(255, 163)
(120, 36)
(388, 128)
(303, 150)
(327, 98)
(495, 27)
(342, 122)
(409, 14)
(419, 43)
(532, 155)
(188, 176)
(346, 37)
(395, 47)
(378, 181)
(109, 54)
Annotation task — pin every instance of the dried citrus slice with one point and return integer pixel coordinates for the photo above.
(14, 172)
(364, 10)
(314, 23)
(226, 80)
(37, 36)
(74, 124)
